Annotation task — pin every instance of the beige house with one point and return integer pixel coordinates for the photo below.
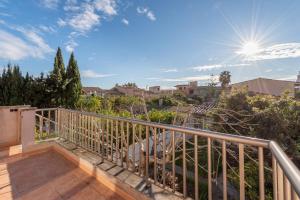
(93, 91)
(187, 89)
(267, 86)
(154, 89)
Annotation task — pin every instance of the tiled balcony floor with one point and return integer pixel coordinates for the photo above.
(48, 175)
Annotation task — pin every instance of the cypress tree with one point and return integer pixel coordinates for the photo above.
(58, 79)
(73, 87)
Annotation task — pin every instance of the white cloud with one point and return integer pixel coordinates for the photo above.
(71, 5)
(152, 78)
(61, 22)
(289, 78)
(168, 70)
(191, 78)
(92, 74)
(70, 46)
(125, 21)
(16, 48)
(147, 12)
(106, 6)
(47, 29)
(52, 4)
(87, 15)
(278, 51)
(85, 20)
(207, 67)
(268, 70)
(217, 66)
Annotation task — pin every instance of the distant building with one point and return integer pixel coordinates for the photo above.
(154, 89)
(267, 86)
(96, 91)
(128, 91)
(187, 89)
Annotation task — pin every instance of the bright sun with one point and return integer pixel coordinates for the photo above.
(250, 48)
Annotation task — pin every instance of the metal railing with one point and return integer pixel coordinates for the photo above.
(186, 161)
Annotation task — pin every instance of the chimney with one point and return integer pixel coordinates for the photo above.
(298, 78)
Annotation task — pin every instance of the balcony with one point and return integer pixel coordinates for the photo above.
(86, 155)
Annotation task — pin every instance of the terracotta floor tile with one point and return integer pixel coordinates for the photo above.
(48, 176)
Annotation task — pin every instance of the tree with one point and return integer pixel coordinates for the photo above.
(224, 78)
(130, 85)
(73, 86)
(211, 87)
(58, 81)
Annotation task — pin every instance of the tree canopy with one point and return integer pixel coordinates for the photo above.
(60, 88)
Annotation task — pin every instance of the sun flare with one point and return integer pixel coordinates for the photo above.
(250, 48)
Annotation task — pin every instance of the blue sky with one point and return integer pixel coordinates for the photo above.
(154, 42)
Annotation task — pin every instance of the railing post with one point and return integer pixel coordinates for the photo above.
(196, 167)
(241, 172)
(164, 158)
(261, 173)
(155, 154)
(184, 164)
(173, 160)
(147, 153)
(224, 168)
(41, 127)
(209, 169)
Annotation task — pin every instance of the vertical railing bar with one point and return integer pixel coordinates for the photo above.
(111, 140)
(133, 147)
(49, 123)
(77, 128)
(42, 113)
(140, 150)
(127, 145)
(122, 142)
(155, 154)
(184, 164)
(280, 182)
(91, 134)
(107, 138)
(147, 154)
(287, 188)
(102, 138)
(41, 127)
(241, 171)
(224, 168)
(99, 124)
(117, 142)
(209, 168)
(86, 131)
(261, 174)
(74, 127)
(86, 134)
(196, 167)
(164, 158)
(56, 120)
(173, 161)
(274, 173)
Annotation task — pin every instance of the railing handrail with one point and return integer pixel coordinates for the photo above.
(188, 130)
(288, 167)
(288, 174)
(46, 109)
